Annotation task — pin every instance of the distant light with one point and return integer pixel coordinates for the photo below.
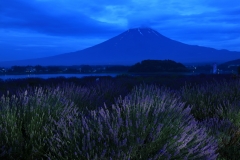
(214, 68)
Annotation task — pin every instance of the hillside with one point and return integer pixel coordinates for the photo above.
(158, 66)
(229, 64)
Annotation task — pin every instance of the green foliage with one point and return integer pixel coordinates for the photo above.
(24, 118)
(219, 101)
(212, 99)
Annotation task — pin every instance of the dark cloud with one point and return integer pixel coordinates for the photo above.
(22, 15)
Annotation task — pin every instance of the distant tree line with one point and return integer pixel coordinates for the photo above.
(158, 66)
(118, 68)
(209, 68)
(144, 66)
(63, 69)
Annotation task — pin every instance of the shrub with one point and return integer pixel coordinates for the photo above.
(212, 99)
(23, 118)
(215, 104)
(106, 91)
(149, 123)
(228, 136)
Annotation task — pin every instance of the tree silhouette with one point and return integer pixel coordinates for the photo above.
(158, 66)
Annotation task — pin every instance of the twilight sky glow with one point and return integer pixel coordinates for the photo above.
(41, 28)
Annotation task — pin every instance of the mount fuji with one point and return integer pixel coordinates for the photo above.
(132, 46)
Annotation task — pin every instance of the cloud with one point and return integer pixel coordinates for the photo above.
(101, 17)
(28, 16)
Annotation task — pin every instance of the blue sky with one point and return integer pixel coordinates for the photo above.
(40, 28)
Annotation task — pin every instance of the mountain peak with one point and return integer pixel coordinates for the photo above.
(144, 28)
(144, 31)
(141, 29)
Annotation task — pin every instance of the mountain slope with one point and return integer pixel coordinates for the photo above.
(132, 46)
(230, 64)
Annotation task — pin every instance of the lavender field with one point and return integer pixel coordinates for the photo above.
(155, 118)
